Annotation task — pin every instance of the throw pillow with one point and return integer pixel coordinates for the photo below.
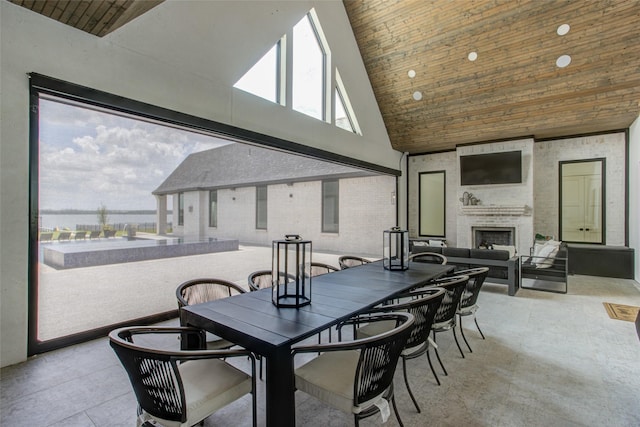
(546, 254)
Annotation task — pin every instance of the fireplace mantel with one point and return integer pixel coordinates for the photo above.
(496, 210)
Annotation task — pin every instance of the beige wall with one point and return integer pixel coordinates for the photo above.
(183, 56)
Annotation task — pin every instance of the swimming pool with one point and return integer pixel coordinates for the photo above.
(64, 255)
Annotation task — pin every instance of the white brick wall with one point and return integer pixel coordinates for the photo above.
(548, 154)
(539, 189)
(366, 209)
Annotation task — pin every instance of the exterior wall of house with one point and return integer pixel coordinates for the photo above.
(366, 209)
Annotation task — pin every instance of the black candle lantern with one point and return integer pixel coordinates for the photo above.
(291, 267)
(396, 249)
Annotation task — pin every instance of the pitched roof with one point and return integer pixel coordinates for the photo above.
(243, 165)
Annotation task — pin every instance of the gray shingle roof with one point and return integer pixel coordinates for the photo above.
(243, 165)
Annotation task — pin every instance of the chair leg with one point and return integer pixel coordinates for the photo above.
(478, 326)
(406, 381)
(455, 337)
(432, 370)
(463, 337)
(395, 408)
(438, 356)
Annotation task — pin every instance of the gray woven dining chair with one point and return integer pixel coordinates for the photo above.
(423, 304)
(356, 376)
(348, 261)
(468, 301)
(428, 257)
(445, 319)
(196, 291)
(180, 387)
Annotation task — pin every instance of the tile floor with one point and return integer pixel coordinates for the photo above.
(548, 360)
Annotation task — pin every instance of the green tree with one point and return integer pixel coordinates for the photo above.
(103, 216)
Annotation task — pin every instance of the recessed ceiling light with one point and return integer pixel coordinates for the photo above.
(563, 61)
(411, 73)
(563, 29)
(417, 95)
(473, 56)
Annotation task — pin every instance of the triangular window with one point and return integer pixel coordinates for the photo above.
(262, 79)
(305, 54)
(308, 69)
(345, 118)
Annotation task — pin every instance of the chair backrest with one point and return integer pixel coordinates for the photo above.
(453, 286)
(319, 268)
(347, 261)
(153, 374)
(423, 304)
(197, 291)
(260, 279)
(430, 257)
(379, 356)
(477, 277)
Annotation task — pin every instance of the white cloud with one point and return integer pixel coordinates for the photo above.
(89, 158)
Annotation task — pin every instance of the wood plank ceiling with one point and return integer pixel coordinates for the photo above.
(513, 88)
(97, 17)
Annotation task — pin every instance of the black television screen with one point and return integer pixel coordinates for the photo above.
(493, 168)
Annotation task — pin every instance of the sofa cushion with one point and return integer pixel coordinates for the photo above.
(456, 252)
(489, 254)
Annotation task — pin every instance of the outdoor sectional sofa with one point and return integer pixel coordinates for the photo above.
(502, 268)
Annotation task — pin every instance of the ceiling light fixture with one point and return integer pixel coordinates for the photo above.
(417, 95)
(472, 56)
(411, 74)
(563, 61)
(563, 29)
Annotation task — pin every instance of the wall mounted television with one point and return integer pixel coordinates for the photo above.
(492, 168)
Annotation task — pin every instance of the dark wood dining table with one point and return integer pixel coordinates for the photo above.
(252, 321)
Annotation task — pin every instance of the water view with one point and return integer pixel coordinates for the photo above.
(69, 221)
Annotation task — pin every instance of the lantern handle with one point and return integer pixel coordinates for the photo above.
(292, 237)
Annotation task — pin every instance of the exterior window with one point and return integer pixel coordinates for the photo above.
(261, 208)
(330, 206)
(263, 78)
(308, 70)
(180, 208)
(345, 117)
(213, 208)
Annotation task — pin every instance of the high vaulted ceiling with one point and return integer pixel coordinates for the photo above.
(513, 88)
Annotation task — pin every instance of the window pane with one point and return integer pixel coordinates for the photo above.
(213, 208)
(181, 209)
(342, 119)
(432, 204)
(262, 79)
(330, 206)
(308, 70)
(261, 208)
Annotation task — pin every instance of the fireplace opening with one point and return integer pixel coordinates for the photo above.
(486, 237)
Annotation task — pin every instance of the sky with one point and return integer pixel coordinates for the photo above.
(89, 158)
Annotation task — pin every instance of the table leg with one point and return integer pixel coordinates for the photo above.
(280, 391)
